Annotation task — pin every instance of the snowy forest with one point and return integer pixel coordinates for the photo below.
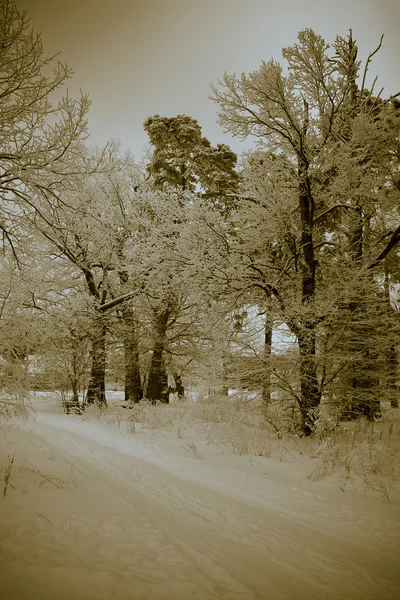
(242, 308)
(181, 270)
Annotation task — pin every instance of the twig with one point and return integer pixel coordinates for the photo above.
(40, 515)
(7, 474)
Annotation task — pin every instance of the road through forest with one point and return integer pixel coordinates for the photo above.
(142, 525)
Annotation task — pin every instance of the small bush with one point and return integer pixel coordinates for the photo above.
(360, 456)
(150, 416)
(193, 450)
(283, 418)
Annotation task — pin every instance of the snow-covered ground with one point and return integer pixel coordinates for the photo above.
(93, 512)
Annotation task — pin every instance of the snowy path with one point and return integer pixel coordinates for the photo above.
(143, 525)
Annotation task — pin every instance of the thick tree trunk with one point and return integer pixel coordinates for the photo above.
(157, 382)
(75, 393)
(96, 393)
(133, 384)
(310, 395)
(266, 377)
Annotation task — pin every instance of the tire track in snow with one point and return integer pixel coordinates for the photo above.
(247, 552)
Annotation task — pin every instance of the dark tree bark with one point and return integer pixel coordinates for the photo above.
(310, 395)
(392, 363)
(75, 377)
(75, 388)
(157, 382)
(133, 384)
(96, 392)
(224, 389)
(266, 376)
(179, 387)
(392, 368)
(96, 389)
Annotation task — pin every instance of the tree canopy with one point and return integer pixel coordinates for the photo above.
(186, 268)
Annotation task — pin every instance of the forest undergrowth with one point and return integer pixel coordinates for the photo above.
(359, 456)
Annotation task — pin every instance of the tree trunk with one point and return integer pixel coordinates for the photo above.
(75, 392)
(266, 376)
(391, 354)
(179, 386)
(75, 375)
(133, 384)
(310, 395)
(224, 389)
(364, 382)
(364, 372)
(97, 390)
(157, 382)
(392, 366)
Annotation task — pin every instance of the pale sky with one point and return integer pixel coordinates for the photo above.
(137, 58)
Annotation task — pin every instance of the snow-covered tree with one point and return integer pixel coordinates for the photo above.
(184, 159)
(40, 136)
(189, 169)
(317, 129)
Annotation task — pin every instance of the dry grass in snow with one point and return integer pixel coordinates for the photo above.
(357, 457)
(194, 500)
